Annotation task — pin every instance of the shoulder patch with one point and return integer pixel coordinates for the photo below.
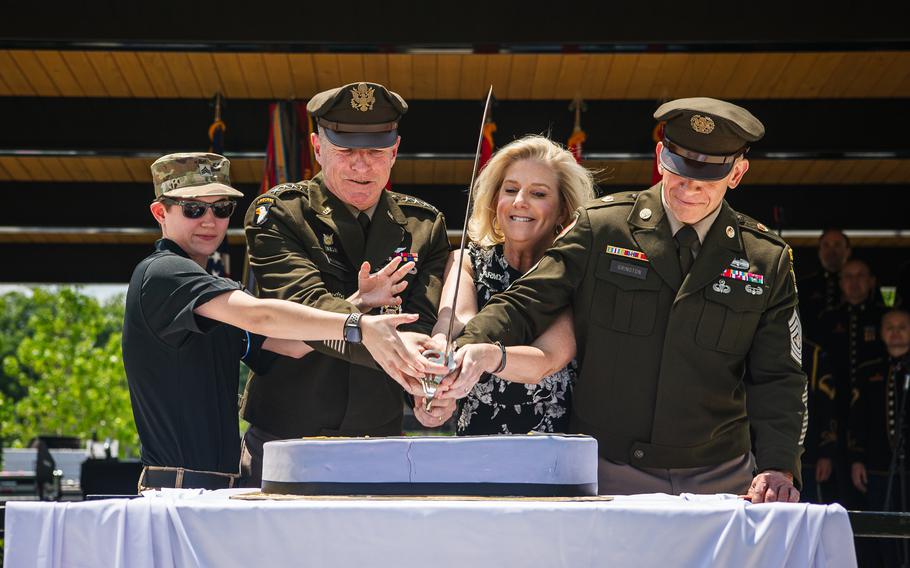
(402, 199)
(259, 211)
(261, 208)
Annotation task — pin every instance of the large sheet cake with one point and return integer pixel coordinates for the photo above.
(529, 465)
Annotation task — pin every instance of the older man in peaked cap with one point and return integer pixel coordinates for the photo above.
(315, 242)
(686, 321)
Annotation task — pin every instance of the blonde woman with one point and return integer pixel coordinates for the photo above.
(524, 197)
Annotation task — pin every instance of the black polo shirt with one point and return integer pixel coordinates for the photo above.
(183, 369)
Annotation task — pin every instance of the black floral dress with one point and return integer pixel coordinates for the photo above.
(498, 406)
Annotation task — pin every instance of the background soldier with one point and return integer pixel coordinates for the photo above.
(821, 291)
(675, 296)
(308, 243)
(849, 334)
(872, 428)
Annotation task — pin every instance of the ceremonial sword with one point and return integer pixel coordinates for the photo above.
(430, 383)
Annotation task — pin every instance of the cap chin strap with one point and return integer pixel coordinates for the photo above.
(360, 128)
(705, 158)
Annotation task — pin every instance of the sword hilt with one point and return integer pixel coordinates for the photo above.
(430, 383)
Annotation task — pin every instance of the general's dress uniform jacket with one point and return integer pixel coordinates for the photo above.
(663, 360)
(305, 246)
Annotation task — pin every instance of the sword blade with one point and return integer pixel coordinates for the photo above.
(467, 216)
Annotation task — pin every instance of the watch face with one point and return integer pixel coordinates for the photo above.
(352, 334)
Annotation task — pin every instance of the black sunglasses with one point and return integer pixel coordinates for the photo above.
(196, 209)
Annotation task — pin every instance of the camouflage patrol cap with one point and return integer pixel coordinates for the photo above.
(359, 115)
(703, 137)
(193, 174)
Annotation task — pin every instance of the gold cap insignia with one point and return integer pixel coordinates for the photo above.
(362, 98)
(702, 124)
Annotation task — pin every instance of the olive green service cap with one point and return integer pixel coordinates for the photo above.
(193, 174)
(703, 137)
(359, 115)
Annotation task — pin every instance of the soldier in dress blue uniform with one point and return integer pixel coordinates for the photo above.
(849, 334)
(878, 400)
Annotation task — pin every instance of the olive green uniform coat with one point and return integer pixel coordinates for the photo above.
(673, 371)
(307, 247)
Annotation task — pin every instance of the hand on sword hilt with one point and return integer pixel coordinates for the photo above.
(430, 383)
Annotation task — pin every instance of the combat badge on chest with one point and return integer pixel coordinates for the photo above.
(739, 271)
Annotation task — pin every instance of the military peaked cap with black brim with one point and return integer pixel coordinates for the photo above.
(358, 115)
(703, 137)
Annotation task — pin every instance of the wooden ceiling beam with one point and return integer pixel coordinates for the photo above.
(453, 76)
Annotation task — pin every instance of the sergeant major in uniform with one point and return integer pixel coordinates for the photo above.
(686, 321)
(309, 243)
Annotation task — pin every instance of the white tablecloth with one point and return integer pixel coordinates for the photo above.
(185, 528)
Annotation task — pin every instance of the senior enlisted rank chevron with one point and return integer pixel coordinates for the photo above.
(308, 243)
(686, 321)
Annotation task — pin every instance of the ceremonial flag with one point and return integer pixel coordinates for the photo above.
(217, 128)
(219, 263)
(657, 135)
(487, 146)
(289, 157)
(578, 136)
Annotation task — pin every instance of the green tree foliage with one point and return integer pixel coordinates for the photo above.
(62, 368)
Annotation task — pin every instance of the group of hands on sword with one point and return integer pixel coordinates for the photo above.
(415, 360)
